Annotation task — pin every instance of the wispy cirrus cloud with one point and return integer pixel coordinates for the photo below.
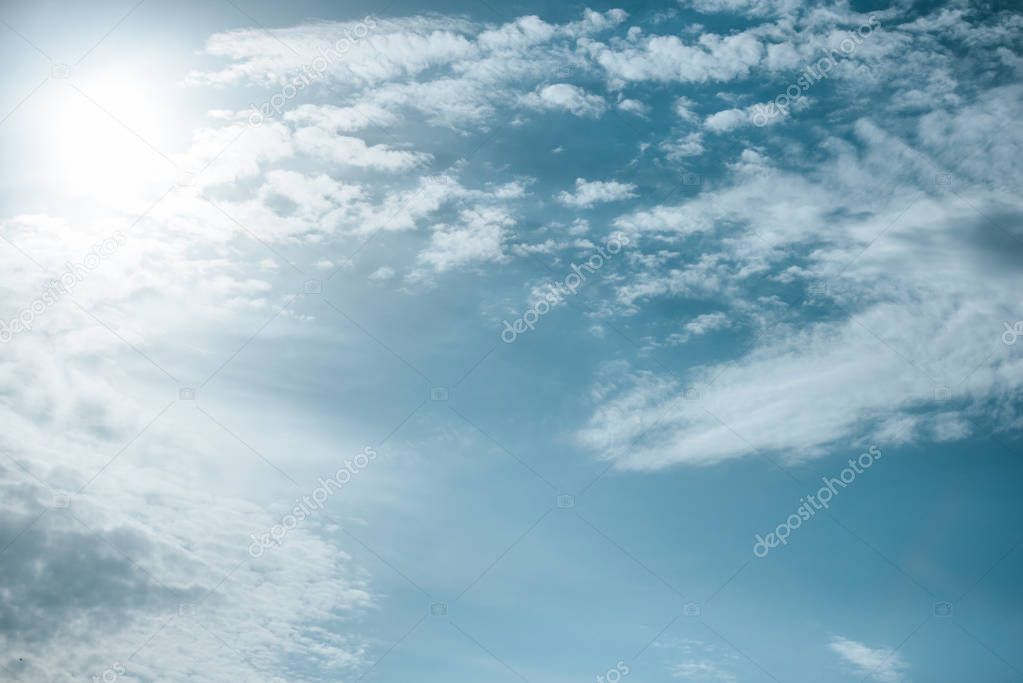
(875, 664)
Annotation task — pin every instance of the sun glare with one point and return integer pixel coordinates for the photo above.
(108, 136)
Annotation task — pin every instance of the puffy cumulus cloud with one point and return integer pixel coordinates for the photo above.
(407, 209)
(518, 34)
(753, 115)
(689, 145)
(566, 97)
(876, 664)
(684, 110)
(632, 106)
(310, 207)
(751, 8)
(349, 151)
(296, 192)
(449, 102)
(590, 192)
(477, 238)
(594, 22)
(670, 59)
(526, 32)
(382, 273)
(684, 219)
(724, 121)
(701, 325)
(342, 119)
(901, 356)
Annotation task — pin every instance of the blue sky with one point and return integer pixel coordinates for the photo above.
(658, 341)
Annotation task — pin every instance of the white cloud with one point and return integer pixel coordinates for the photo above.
(756, 114)
(390, 48)
(450, 102)
(478, 238)
(724, 121)
(877, 664)
(703, 662)
(632, 106)
(701, 325)
(689, 145)
(668, 58)
(566, 97)
(702, 670)
(521, 33)
(901, 342)
(236, 151)
(590, 192)
(684, 110)
(473, 68)
(341, 119)
(382, 273)
(406, 209)
(905, 347)
(350, 151)
(148, 566)
(752, 8)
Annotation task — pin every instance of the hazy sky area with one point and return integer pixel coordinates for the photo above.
(465, 341)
